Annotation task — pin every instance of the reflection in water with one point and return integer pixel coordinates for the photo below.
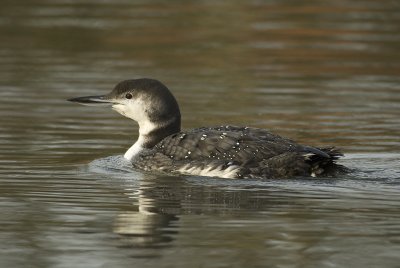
(147, 226)
(143, 224)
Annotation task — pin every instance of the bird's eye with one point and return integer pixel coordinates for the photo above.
(128, 96)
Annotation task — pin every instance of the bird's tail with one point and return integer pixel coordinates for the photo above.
(326, 166)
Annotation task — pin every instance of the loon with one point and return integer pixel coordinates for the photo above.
(223, 151)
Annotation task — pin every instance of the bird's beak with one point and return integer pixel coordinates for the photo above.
(93, 100)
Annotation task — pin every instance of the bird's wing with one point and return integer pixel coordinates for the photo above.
(230, 143)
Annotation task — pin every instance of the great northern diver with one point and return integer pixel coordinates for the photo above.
(224, 151)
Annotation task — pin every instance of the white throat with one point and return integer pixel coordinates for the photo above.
(144, 128)
(135, 109)
(134, 150)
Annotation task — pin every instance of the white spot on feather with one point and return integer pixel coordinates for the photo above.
(308, 156)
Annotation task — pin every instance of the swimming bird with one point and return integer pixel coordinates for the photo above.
(222, 151)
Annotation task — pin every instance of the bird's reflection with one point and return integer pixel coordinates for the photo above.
(160, 202)
(157, 203)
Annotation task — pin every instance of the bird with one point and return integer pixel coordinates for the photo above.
(226, 151)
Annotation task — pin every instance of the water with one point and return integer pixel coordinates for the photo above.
(320, 73)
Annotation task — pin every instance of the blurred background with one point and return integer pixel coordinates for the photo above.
(320, 72)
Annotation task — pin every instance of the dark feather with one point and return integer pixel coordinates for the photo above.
(257, 153)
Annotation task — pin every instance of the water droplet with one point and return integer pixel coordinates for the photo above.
(189, 152)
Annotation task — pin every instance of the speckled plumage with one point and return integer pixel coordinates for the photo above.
(251, 152)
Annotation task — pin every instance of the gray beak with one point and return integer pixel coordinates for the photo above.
(93, 100)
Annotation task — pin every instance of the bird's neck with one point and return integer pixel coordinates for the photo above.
(151, 133)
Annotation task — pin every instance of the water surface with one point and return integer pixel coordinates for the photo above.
(320, 73)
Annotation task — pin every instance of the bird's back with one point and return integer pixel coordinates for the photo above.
(236, 152)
